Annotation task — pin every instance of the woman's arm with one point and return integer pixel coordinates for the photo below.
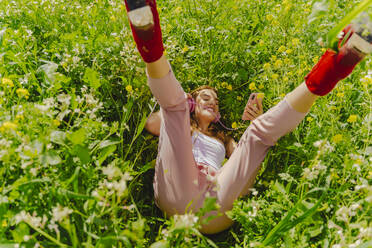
(153, 123)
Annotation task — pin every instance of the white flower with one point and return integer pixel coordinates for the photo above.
(111, 171)
(59, 213)
(184, 221)
(64, 99)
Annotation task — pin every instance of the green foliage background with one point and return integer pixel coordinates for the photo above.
(76, 166)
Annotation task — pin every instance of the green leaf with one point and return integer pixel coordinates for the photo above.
(21, 231)
(83, 153)
(105, 153)
(53, 158)
(92, 78)
(77, 137)
(160, 244)
(58, 137)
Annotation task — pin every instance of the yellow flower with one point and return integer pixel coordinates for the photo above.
(261, 43)
(229, 87)
(285, 79)
(56, 122)
(165, 52)
(315, 59)
(261, 86)
(282, 95)
(352, 118)
(340, 94)
(323, 49)
(273, 57)
(252, 86)
(309, 119)
(269, 17)
(129, 88)
(295, 42)
(20, 117)
(281, 49)
(178, 10)
(260, 95)
(266, 66)
(288, 51)
(185, 49)
(239, 98)
(337, 138)
(278, 63)
(4, 224)
(224, 84)
(8, 125)
(113, 18)
(234, 125)
(275, 76)
(22, 93)
(7, 82)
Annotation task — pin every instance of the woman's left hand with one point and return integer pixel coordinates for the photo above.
(254, 108)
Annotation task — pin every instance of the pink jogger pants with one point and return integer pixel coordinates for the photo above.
(179, 184)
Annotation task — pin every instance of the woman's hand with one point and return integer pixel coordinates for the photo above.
(254, 108)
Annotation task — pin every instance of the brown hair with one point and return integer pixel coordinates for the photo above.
(214, 129)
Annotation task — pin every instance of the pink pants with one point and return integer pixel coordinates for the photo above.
(180, 185)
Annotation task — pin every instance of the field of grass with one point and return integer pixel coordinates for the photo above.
(76, 166)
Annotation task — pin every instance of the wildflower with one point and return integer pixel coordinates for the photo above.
(4, 224)
(281, 49)
(22, 93)
(224, 84)
(129, 88)
(352, 118)
(59, 213)
(295, 42)
(315, 59)
(269, 17)
(266, 66)
(7, 82)
(323, 49)
(309, 119)
(337, 138)
(252, 86)
(184, 221)
(239, 98)
(234, 125)
(278, 63)
(340, 94)
(261, 86)
(7, 125)
(165, 52)
(178, 10)
(288, 51)
(261, 43)
(285, 79)
(56, 122)
(111, 171)
(229, 87)
(275, 76)
(185, 49)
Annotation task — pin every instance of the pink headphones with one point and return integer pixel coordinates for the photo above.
(192, 105)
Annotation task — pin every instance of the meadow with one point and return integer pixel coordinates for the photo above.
(76, 165)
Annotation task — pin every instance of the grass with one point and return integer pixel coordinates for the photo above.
(76, 166)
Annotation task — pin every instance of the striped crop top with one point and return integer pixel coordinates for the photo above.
(207, 150)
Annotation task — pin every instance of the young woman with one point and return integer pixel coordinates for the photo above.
(191, 151)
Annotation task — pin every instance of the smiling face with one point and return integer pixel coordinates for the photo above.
(207, 105)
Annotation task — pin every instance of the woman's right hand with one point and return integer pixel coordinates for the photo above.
(254, 108)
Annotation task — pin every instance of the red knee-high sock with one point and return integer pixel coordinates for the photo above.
(332, 67)
(148, 39)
